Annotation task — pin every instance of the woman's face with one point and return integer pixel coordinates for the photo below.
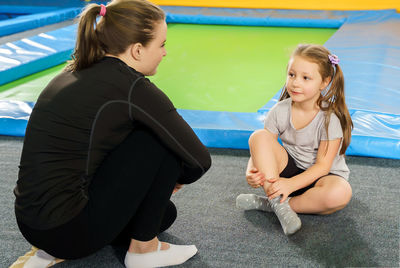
(154, 51)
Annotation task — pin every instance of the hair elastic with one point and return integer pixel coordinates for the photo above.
(103, 10)
(333, 59)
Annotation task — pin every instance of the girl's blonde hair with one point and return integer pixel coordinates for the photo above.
(333, 101)
(125, 22)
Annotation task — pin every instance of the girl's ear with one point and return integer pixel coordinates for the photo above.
(325, 83)
(136, 50)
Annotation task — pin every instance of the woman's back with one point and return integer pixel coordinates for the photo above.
(78, 119)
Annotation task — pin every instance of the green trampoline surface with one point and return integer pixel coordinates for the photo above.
(210, 67)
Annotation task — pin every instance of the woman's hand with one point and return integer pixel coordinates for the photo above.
(255, 178)
(279, 187)
(177, 187)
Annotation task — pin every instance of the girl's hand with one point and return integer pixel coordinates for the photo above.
(279, 187)
(177, 187)
(255, 178)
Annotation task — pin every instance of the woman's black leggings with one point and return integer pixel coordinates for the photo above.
(129, 197)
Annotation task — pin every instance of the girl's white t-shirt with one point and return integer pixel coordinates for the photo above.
(302, 144)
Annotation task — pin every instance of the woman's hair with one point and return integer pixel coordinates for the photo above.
(333, 100)
(125, 22)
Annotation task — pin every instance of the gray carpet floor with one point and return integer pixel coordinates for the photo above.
(365, 233)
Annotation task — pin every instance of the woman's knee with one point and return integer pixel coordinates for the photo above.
(143, 137)
(153, 143)
(140, 150)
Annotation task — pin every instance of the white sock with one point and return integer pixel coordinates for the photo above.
(176, 254)
(253, 201)
(40, 260)
(289, 220)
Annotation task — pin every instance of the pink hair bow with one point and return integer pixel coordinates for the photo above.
(333, 59)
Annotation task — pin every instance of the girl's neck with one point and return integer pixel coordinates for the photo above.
(303, 113)
(306, 107)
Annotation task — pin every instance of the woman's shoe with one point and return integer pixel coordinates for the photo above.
(176, 254)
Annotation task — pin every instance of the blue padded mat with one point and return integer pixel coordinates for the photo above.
(367, 43)
(31, 55)
(30, 17)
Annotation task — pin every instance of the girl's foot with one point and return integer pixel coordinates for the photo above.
(252, 201)
(289, 220)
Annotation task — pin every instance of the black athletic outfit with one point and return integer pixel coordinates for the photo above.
(103, 150)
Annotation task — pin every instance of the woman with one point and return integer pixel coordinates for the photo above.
(104, 148)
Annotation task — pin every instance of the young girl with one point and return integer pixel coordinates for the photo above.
(105, 148)
(307, 173)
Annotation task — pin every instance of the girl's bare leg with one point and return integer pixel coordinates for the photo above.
(270, 158)
(331, 193)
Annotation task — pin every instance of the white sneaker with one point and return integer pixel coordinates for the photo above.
(40, 260)
(176, 254)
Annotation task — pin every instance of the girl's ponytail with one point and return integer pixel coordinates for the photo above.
(335, 98)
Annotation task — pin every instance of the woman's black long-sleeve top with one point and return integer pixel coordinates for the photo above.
(78, 119)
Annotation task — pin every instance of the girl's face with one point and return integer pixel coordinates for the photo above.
(304, 82)
(154, 51)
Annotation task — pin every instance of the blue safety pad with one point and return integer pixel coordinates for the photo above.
(24, 9)
(34, 54)
(52, 3)
(223, 129)
(369, 50)
(14, 117)
(33, 17)
(257, 17)
(8, 12)
(368, 46)
(264, 17)
(375, 134)
(369, 53)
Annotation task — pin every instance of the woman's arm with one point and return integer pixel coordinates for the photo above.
(152, 107)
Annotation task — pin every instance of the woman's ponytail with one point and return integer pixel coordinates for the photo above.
(123, 22)
(88, 47)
